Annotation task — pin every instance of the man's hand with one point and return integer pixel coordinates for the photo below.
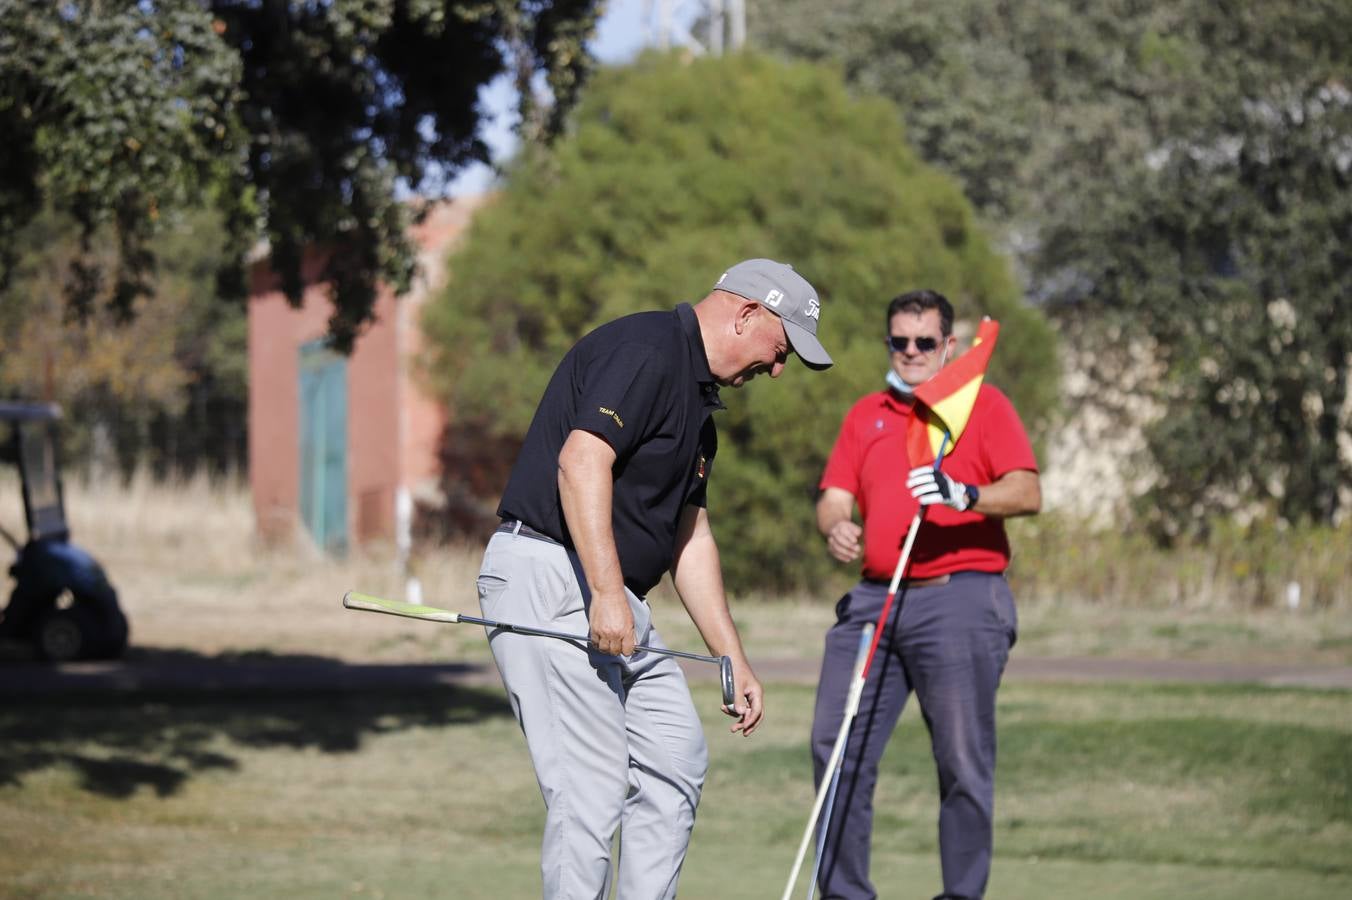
(612, 624)
(843, 540)
(750, 706)
(930, 486)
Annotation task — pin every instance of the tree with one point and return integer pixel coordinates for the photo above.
(1227, 250)
(112, 113)
(1172, 177)
(166, 388)
(669, 172)
(301, 116)
(989, 91)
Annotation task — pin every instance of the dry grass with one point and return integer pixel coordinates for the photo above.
(193, 576)
(1259, 566)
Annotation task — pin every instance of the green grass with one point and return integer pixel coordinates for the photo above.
(1124, 791)
(782, 629)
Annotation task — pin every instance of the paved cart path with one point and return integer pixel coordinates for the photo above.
(172, 672)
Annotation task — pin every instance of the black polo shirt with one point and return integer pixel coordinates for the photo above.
(643, 384)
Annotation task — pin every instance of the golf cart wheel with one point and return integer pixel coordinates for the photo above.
(67, 634)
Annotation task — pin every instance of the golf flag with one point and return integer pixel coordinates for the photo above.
(946, 400)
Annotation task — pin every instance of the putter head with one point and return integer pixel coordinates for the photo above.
(725, 679)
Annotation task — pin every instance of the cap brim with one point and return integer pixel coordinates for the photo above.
(806, 345)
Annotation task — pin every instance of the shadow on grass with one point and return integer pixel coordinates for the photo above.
(161, 717)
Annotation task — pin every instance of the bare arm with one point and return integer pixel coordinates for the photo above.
(1016, 493)
(835, 508)
(586, 488)
(698, 577)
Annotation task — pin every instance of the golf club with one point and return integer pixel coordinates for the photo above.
(354, 600)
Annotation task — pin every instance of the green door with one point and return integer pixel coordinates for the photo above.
(323, 445)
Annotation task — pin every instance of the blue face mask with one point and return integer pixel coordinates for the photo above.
(895, 383)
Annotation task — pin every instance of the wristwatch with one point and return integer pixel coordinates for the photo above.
(972, 495)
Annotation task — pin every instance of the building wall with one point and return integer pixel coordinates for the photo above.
(373, 426)
(394, 425)
(276, 334)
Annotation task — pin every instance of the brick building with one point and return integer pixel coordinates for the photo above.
(340, 447)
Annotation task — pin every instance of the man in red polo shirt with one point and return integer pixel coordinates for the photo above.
(954, 622)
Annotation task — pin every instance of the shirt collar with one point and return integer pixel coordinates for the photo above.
(699, 359)
(888, 398)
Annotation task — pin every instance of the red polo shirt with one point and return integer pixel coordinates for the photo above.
(869, 460)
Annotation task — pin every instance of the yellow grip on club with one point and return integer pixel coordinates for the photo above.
(355, 600)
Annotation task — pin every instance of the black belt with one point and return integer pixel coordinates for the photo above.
(516, 526)
(912, 582)
(931, 582)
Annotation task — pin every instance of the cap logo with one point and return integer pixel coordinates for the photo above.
(773, 298)
(814, 308)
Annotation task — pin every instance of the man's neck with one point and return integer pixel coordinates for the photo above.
(712, 318)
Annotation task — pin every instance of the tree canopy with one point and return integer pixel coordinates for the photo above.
(1227, 249)
(165, 389)
(1174, 178)
(294, 119)
(669, 172)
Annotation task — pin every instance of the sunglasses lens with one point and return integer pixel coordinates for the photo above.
(922, 344)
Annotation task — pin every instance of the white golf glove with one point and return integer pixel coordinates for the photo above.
(930, 486)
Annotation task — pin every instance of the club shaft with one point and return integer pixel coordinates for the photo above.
(355, 600)
(865, 642)
(837, 750)
(827, 791)
(544, 632)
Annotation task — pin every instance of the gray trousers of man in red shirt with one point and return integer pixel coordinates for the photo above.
(947, 643)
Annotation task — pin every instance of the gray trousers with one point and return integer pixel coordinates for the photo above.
(948, 643)
(616, 743)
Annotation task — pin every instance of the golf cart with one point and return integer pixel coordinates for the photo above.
(62, 605)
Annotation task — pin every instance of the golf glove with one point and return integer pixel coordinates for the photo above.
(930, 486)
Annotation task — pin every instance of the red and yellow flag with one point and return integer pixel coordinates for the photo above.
(944, 403)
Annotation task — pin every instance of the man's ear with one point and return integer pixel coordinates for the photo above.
(744, 313)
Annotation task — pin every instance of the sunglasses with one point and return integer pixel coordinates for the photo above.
(922, 344)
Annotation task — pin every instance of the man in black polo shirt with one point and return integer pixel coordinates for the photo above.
(607, 494)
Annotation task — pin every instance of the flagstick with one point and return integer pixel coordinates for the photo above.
(852, 706)
(829, 782)
(865, 642)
